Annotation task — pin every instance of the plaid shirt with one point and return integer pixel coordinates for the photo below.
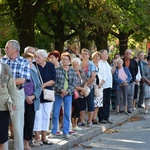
(60, 80)
(20, 67)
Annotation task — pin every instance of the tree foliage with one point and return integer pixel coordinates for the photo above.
(50, 23)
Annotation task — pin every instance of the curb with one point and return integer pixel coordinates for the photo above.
(88, 133)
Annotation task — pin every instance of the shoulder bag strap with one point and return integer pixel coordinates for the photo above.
(39, 73)
(64, 74)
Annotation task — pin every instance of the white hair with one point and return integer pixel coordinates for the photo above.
(28, 47)
(41, 52)
(76, 60)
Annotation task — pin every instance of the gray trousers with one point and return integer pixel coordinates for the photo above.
(130, 95)
(121, 94)
(18, 122)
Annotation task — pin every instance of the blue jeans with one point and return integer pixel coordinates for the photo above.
(67, 100)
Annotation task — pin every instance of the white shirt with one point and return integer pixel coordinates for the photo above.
(138, 76)
(107, 68)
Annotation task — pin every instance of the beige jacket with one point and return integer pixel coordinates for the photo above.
(7, 87)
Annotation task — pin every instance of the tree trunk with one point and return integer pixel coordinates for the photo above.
(101, 39)
(26, 30)
(123, 42)
(26, 34)
(23, 14)
(59, 45)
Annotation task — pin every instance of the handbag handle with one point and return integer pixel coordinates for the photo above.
(39, 73)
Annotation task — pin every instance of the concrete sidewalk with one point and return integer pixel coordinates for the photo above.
(60, 143)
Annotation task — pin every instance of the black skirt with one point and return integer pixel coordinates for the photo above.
(4, 123)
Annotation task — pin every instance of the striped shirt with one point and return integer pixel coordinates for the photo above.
(20, 67)
(60, 80)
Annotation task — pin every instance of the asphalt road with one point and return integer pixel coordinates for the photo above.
(133, 135)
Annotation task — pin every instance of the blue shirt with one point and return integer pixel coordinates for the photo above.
(20, 67)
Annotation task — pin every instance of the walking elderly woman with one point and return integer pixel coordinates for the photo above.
(42, 117)
(122, 78)
(64, 87)
(7, 88)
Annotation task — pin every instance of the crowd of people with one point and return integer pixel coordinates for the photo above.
(80, 82)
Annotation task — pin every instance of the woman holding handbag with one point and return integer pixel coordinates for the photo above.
(100, 79)
(81, 80)
(89, 69)
(64, 87)
(47, 74)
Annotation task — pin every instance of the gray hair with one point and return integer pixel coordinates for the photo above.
(76, 60)
(15, 44)
(102, 50)
(28, 47)
(41, 52)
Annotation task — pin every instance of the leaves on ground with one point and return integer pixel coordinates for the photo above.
(89, 139)
(82, 145)
(110, 131)
(135, 118)
(120, 124)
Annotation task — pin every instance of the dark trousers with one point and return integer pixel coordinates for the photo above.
(141, 94)
(4, 122)
(103, 113)
(136, 91)
(76, 108)
(29, 117)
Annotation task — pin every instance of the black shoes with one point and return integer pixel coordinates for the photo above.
(129, 112)
(140, 106)
(121, 111)
(106, 121)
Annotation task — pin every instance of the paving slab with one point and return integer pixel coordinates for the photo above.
(60, 143)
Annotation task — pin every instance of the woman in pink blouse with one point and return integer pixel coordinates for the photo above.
(122, 77)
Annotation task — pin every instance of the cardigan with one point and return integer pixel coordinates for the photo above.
(118, 81)
(7, 87)
(37, 88)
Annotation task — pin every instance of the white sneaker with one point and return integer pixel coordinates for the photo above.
(71, 132)
(146, 111)
(51, 136)
(77, 128)
(67, 136)
(58, 133)
(134, 109)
